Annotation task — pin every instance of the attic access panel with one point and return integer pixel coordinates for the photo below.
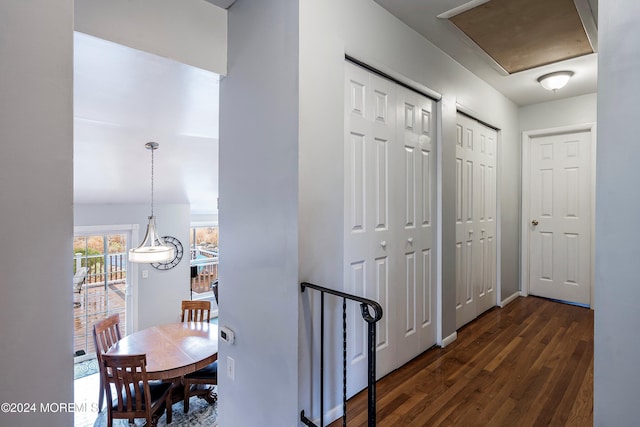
(524, 34)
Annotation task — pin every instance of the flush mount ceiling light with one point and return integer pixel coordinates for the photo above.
(152, 248)
(555, 81)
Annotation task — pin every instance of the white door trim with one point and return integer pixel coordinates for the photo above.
(440, 340)
(527, 136)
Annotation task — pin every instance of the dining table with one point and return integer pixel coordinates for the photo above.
(174, 349)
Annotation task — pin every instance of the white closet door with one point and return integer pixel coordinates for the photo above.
(389, 219)
(476, 261)
(415, 186)
(486, 219)
(369, 265)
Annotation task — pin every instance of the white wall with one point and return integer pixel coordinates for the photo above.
(159, 296)
(36, 134)
(193, 32)
(361, 28)
(617, 289)
(563, 112)
(259, 215)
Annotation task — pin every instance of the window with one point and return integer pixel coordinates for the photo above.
(203, 243)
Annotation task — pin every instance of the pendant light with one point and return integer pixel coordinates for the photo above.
(153, 248)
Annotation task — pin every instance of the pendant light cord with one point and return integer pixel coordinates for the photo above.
(153, 146)
(152, 150)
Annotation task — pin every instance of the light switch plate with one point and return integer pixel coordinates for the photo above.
(231, 368)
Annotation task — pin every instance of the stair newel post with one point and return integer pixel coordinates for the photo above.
(322, 359)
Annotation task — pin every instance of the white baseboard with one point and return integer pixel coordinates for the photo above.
(510, 299)
(330, 416)
(450, 339)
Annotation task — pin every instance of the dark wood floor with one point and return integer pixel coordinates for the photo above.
(528, 364)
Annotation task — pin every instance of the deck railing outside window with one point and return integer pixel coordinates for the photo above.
(114, 269)
(204, 269)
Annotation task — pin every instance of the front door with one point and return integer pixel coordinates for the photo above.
(560, 217)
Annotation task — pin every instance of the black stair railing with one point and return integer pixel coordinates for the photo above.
(371, 352)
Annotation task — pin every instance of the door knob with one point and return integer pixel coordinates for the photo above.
(534, 222)
(410, 240)
(383, 243)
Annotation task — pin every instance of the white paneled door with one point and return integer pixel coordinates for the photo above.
(476, 148)
(560, 224)
(389, 219)
(414, 181)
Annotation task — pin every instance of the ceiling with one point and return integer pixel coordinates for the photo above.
(124, 98)
(523, 34)
(520, 86)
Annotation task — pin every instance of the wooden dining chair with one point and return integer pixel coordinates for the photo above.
(132, 395)
(196, 311)
(205, 376)
(105, 334)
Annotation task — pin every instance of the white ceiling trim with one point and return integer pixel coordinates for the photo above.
(461, 9)
(225, 4)
(588, 22)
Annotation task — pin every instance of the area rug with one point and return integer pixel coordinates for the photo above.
(82, 369)
(201, 414)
